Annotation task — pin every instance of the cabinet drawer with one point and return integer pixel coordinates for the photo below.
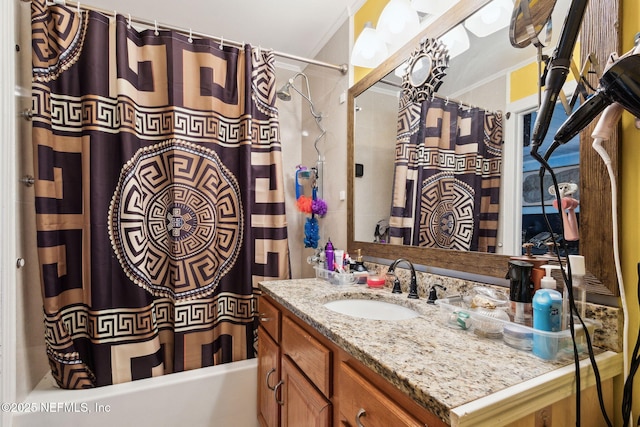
(361, 399)
(269, 318)
(313, 358)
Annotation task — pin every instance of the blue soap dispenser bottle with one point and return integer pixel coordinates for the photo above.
(547, 316)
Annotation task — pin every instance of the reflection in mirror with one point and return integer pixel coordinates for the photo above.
(425, 69)
(420, 71)
(480, 77)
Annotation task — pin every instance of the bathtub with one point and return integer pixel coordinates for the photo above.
(218, 396)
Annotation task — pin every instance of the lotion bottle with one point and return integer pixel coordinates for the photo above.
(547, 316)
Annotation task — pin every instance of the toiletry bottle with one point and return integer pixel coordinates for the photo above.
(359, 268)
(338, 260)
(578, 272)
(547, 316)
(537, 273)
(520, 291)
(328, 254)
(359, 264)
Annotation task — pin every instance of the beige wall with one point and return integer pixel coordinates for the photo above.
(376, 120)
(327, 88)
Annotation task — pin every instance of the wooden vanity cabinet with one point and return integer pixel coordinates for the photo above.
(315, 383)
(307, 380)
(294, 386)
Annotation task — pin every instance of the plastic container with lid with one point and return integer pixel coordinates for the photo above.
(375, 280)
(517, 336)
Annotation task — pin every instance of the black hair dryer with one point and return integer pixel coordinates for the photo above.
(521, 291)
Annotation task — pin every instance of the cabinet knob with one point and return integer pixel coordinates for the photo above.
(275, 393)
(360, 413)
(267, 378)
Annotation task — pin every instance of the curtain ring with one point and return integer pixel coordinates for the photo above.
(221, 42)
(155, 24)
(79, 11)
(129, 21)
(190, 36)
(446, 102)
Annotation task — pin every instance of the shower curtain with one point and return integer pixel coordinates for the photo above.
(159, 196)
(447, 176)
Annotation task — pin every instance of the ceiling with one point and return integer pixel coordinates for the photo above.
(294, 27)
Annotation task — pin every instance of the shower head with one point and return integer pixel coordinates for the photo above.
(284, 93)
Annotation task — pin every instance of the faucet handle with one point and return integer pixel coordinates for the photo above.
(433, 293)
(396, 283)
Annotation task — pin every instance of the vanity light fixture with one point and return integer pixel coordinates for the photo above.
(456, 40)
(369, 50)
(398, 22)
(433, 7)
(401, 69)
(491, 18)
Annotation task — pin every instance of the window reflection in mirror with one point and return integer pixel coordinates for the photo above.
(565, 162)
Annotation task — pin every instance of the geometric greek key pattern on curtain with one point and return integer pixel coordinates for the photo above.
(447, 177)
(159, 196)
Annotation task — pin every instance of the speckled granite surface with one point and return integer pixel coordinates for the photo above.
(439, 367)
(608, 336)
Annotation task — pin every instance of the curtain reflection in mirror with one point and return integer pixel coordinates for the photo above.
(446, 186)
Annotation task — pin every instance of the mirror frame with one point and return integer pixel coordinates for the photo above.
(595, 201)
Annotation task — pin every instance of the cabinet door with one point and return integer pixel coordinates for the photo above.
(310, 355)
(268, 378)
(303, 404)
(361, 403)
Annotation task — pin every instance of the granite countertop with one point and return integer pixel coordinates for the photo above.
(439, 367)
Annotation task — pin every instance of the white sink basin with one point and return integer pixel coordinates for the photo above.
(369, 309)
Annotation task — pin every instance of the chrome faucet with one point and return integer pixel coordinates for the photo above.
(413, 286)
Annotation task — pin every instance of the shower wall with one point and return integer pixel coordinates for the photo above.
(329, 89)
(31, 360)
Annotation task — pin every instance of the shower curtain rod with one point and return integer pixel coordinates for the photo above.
(187, 31)
(462, 105)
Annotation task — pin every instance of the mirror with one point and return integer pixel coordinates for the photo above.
(594, 191)
(420, 71)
